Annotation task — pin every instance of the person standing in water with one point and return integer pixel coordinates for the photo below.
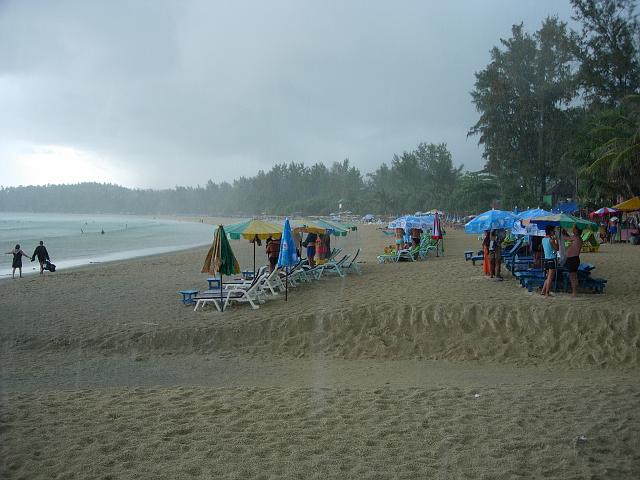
(42, 254)
(17, 260)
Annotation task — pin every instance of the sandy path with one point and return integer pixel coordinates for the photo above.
(255, 432)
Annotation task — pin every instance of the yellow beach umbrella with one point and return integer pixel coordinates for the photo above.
(307, 226)
(253, 230)
(630, 205)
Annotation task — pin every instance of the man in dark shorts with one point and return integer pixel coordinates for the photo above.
(310, 244)
(573, 259)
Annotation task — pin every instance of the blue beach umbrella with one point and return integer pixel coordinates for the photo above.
(491, 220)
(534, 212)
(519, 228)
(288, 256)
(408, 222)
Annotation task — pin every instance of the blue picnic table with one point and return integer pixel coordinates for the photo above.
(187, 296)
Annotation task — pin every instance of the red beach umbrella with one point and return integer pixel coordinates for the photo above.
(605, 211)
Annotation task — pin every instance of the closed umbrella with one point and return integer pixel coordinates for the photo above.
(220, 258)
(288, 256)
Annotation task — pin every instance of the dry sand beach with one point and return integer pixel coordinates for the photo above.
(411, 370)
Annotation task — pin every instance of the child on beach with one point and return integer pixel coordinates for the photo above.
(17, 260)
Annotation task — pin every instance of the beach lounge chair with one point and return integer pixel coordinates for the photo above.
(388, 257)
(240, 282)
(272, 283)
(589, 242)
(299, 274)
(352, 265)
(335, 267)
(410, 254)
(252, 294)
(427, 246)
(293, 278)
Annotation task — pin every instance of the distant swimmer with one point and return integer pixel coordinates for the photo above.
(17, 260)
(102, 232)
(43, 256)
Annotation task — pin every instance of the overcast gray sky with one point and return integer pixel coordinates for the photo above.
(164, 93)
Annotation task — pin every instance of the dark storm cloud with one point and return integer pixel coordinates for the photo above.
(174, 92)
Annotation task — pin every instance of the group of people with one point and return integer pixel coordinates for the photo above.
(492, 250)
(553, 249)
(40, 252)
(318, 248)
(409, 238)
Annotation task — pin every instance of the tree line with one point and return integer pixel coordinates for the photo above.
(563, 105)
(555, 105)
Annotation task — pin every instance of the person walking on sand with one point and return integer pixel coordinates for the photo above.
(573, 258)
(42, 254)
(550, 247)
(492, 254)
(17, 260)
(273, 251)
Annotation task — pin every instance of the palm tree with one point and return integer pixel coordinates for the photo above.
(617, 156)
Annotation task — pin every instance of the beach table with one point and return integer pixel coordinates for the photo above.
(247, 274)
(214, 282)
(187, 296)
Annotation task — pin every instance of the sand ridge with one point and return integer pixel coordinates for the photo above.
(438, 308)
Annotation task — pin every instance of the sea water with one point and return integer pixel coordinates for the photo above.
(77, 239)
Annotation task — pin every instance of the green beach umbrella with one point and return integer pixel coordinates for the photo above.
(220, 258)
(563, 220)
(333, 228)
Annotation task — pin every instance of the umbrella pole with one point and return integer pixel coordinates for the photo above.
(286, 285)
(254, 258)
(221, 304)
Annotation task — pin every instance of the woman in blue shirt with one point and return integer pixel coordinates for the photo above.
(550, 247)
